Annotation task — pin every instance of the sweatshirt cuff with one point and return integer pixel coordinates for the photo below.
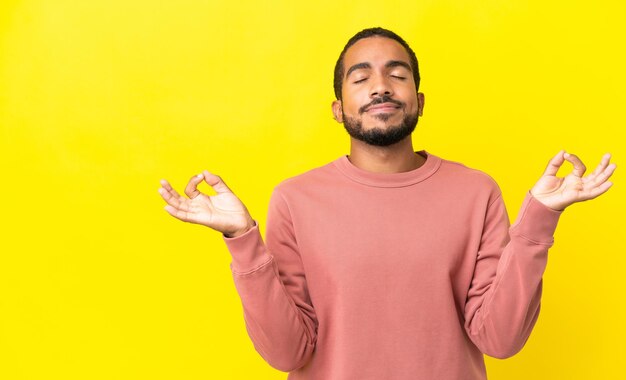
(536, 221)
(247, 250)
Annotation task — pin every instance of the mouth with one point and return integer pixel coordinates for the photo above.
(382, 108)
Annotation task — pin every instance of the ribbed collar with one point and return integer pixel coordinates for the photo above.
(402, 179)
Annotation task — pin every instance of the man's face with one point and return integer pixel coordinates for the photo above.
(380, 104)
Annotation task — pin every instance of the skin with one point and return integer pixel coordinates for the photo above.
(364, 84)
(377, 72)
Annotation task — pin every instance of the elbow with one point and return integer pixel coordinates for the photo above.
(503, 347)
(284, 366)
(499, 344)
(291, 360)
(503, 352)
(504, 340)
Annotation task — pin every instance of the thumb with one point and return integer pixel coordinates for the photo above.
(216, 182)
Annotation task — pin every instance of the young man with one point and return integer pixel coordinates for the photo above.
(388, 263)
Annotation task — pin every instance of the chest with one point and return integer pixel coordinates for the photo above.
(385, 239)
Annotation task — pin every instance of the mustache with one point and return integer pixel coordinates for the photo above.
(379, 100)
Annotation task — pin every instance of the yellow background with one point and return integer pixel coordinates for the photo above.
(101, 99)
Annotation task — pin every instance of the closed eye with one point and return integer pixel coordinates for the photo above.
(398, 77)
(360, 80)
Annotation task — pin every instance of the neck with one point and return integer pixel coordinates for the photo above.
(397, 158)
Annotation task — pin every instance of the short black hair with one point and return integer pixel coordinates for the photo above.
(374, 32)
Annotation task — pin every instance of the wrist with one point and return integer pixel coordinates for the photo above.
(551, 204)
(241, 231)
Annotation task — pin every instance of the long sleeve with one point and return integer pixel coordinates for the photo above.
(413, 275)
(504, 297)
(270, 280)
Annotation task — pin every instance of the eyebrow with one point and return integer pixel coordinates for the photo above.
(389, 64)
(362, 65)
(398, 64)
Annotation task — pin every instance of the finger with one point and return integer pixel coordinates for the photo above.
(602, 177)
(192, 187)
(166, 187)
(597, 191)
(216, 182)
(178, 214)
(554, 164)
(174, 199)
(604, 162)
(170, 195)
(579, 167)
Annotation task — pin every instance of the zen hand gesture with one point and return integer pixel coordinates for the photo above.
(558, 193)
(223, 212)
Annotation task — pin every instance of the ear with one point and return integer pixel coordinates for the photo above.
(337, 114)
(420, 103)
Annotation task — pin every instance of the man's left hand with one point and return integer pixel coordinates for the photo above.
(558, 193)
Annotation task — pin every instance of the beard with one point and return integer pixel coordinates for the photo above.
(379, 136)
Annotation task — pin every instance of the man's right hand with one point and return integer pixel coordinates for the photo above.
(223, 212)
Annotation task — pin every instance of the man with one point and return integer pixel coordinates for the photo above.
(388, 263)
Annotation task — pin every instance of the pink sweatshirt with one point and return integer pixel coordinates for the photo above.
(409, 275)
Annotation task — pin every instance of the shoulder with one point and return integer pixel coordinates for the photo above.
(467, 177)
(305, 189)
(317, 177)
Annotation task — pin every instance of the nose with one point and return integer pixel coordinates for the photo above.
(380, 87)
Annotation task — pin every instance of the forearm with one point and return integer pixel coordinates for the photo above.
(280, 331)
(501, 319)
